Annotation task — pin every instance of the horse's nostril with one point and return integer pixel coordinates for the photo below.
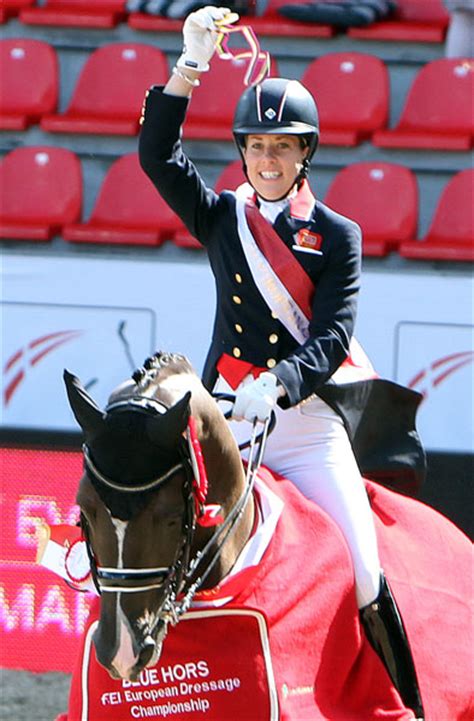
(113, 673)
(147, 651)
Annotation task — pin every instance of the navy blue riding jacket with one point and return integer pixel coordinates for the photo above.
(244, 326)
(379, 415)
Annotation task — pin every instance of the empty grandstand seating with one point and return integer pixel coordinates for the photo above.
(109, 93)
(382, 198)
(270, 22)
(128, 210)
(437, 114)
(451, 234)
(41, 190)
(414, 20)
(211, 112)
(351, 88)
(352, 93)
(76, 13)
(29, 85)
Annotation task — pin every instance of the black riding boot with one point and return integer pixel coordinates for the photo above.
(386, 633)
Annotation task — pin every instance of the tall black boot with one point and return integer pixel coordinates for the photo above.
(386, 633)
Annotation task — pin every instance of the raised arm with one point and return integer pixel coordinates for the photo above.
(200, 32)
(164, 111)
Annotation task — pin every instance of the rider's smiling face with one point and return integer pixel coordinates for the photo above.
(273, 163)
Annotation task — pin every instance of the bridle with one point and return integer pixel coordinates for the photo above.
(180, 581)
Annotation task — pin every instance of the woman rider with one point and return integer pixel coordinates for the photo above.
(287, 272)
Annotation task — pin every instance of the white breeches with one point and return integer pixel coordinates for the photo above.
(310, 446)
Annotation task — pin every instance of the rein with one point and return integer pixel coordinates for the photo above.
(178, 607)
(177, 579)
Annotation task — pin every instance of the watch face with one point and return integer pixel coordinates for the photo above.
(77, 562)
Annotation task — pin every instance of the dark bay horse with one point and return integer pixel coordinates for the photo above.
(144, 512)
(169, 512)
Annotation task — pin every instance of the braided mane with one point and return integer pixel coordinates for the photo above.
(159, 366)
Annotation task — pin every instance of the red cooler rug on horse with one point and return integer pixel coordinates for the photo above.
(287, 644)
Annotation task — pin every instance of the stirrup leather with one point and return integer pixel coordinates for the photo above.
(386, 633)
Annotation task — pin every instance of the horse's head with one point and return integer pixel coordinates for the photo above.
(147, 506)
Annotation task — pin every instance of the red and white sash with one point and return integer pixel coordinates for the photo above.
(284, 284)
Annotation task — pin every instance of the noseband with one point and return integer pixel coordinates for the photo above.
(176, 581)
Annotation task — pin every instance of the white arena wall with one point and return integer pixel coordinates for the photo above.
(100, 318)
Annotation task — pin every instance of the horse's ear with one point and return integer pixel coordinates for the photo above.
(166, 429)
(86, 412)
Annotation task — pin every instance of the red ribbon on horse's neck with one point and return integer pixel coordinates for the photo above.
(207, 514)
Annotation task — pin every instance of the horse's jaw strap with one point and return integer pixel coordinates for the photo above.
(148, 486)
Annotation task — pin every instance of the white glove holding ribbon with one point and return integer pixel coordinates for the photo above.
(200, 33)
(257, 399)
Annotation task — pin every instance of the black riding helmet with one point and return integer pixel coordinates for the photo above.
(279, 107)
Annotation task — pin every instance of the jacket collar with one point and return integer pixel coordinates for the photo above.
(301, 204)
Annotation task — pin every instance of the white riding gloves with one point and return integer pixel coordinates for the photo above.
(257, 399)
(200, 32)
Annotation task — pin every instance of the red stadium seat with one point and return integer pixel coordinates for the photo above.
(109, 93)
(154, 23)
(269, 23)
(382, 198)
(11, 8)
(184, 239)
(451, 235)
(414, 20)
(438, 112)
(76, 13)
(30, 81)
(352, 92)
(128, 210)
(41, 190)
(231, 177)
(211, 112)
